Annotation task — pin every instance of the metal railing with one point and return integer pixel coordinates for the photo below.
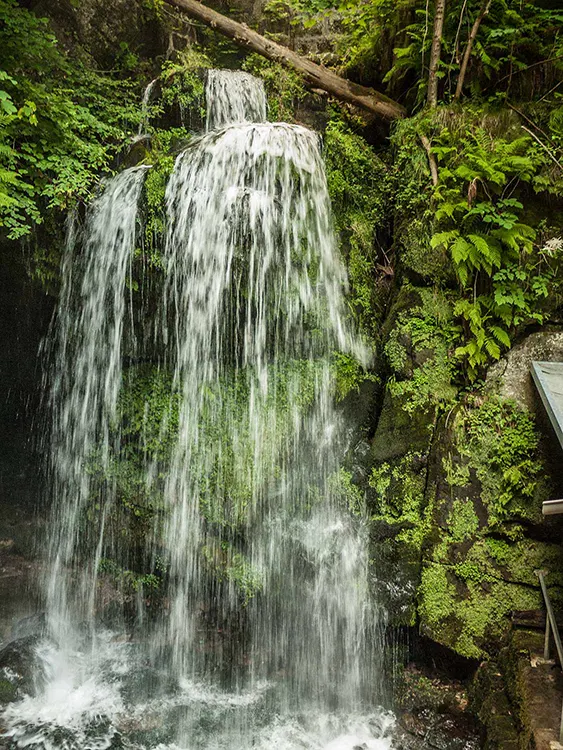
(551, 629)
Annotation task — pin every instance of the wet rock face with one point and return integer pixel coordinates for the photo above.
(20, 669)
(511, 378)
(129, 26)
(434, 712)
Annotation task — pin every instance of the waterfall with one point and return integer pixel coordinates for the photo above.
(145, 107)
(247, 518)
(233, 98)
(86, 382)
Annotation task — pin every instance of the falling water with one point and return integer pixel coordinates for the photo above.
(86, 383)
(145, 107)
(252, 526)
(233, 97)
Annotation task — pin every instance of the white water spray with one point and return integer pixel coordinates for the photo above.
(249, 523)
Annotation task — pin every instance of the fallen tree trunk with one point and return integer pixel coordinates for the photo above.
(316, 76)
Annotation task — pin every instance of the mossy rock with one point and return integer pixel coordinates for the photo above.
(420, 261)
(20, 671)
(394, 575)
(398, 526)
(419, 349)
(492, 707)
(469, 610)
(8, 691)
(399, 432)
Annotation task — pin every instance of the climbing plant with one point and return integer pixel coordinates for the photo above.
(502, 270)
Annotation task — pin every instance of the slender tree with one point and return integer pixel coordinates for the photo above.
(439, 14)
(485, 7)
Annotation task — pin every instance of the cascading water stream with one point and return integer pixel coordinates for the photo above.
(86, 383)
(233, 98)
(251, 524)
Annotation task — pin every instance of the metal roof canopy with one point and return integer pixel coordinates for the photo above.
(548, 377)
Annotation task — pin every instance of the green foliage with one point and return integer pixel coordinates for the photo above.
(365, 27)
(163, 142)
(348, 375)
(226, 564)
(343, 490)
(358, 183)
(155, 216)
(462, 521)
(510, 38)
(504, 275)
(411, 208)
(500, 442)
(61, 123)
(182, 83)
(284, 88)
(419, 350)
(148, 414)
(436, 596)
(399, 499)
(129, 581)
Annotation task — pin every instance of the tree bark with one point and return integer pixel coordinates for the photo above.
(435, 53)
(485, 7)
(431, 158)
(316, 76)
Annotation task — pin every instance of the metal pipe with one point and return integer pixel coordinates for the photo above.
(546, 639)
(552, 507)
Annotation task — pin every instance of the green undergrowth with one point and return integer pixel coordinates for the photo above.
(359, 187)
(498, 441)
(484, 230)
(419, 351)
(61, 122)
(285, 90)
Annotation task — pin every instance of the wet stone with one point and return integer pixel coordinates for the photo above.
(20, 670)
(34, 625)
(146, 683)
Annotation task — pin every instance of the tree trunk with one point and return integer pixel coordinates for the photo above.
(439, 14)
(431, 158)
(316, 76)
(485, 7)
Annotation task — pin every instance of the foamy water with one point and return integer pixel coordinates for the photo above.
(251, 309)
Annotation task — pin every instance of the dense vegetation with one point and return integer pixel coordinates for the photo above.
(450, 223)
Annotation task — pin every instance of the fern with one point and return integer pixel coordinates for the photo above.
(491, 248)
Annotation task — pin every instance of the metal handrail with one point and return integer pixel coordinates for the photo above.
(551, 627)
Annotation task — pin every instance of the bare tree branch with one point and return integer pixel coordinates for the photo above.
(431, 158)
(485, 7)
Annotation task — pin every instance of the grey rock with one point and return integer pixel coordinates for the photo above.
(20, 667)
(34, 625)
(510, 377)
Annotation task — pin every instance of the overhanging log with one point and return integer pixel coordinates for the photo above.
(316, 76)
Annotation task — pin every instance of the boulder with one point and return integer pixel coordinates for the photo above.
(511, 378)
(20, 669)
